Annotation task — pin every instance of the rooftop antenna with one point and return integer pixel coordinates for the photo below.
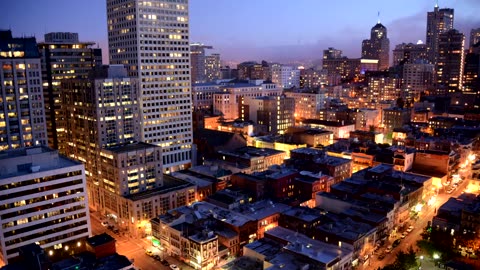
(436, 3)
(378, 17)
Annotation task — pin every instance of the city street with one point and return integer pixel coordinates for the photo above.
(411, 239)
(134, 249)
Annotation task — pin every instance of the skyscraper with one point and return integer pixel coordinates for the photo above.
(152, 40)
(378, 46)
(409, 53)
(212, 67)
(438, 22)
(474, 36)
(22, 112)
(450, 61)
(63, 57)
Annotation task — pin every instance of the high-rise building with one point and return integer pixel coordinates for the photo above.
(472, 71)
(450, 62)
(152, 39)
(212, 67)
(474, 37)
(439, 20)
(418, 78)
(43, 200)
(254, 71)
(332, 53)
(63, 57)
(409, 53)
(22, 111)
(378, 46)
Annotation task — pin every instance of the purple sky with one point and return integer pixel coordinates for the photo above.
(275, 30)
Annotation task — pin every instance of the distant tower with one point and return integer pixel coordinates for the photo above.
(474, 37)
(378, 46)
(438, 22)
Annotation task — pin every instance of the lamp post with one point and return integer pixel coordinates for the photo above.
(421, 259)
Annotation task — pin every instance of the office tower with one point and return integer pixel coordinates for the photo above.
(285, 76)
(152, 40)
(472, 70)
(438, 22)
(418, 78)
(197, 62)
(378, 46)
(474, 37)
(383, 88)
(450, 62)
(332, 53)
(100, 112)
(212, 67)
(63, 57)
(44, 201)
(22, 111)
(409, 53)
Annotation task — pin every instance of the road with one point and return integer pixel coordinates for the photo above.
(411, 239)
(135, 248)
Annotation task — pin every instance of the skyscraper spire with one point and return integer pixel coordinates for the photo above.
(378, 17)
(436, 3)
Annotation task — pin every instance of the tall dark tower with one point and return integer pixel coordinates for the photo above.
(438, 21)
(378, 46)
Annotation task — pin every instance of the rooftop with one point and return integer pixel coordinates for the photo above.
(124, 148)
(266, 247)
(100, 239)
(170, 184)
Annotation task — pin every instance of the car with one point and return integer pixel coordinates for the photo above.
(396, 243)
(174, 267)
(410, 229)
(389, 249)
(157, 257)
(149, 252)
(403, 235)
(165, 262)
(104, 223)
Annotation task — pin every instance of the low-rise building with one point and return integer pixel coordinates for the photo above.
(256, 159)
(340, 129)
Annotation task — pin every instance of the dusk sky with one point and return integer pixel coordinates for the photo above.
(274, 30)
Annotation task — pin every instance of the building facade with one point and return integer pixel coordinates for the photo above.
(63, 57)
(152, 40)
(22, 111)
(43, 200)
(450, 62)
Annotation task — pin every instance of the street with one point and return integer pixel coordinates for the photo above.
(135, 248)
(411, 239)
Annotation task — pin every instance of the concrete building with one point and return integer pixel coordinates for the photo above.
(382, 88)
(340, 130)
(44, 200)
(409, 53)
(22, 113)
(285, 76)
(450, 62)
(198, 62)
(202, 95)
(275, 114)
(64, 57)
(438, 22)
(229, 101)
(308, 103)
(395, 117)
(252, 70)
(152, 40)
(346, 68)
(255, 159)
(378, 46)
(417, 78)
(212, 67)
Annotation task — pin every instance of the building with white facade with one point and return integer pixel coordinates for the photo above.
(152, 40)
(22, 111)
(228, 102)
(285, 76)
(43, 200)
(418, 78)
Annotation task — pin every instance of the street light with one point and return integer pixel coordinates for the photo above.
(421, 259)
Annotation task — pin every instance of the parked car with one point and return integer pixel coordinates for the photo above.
(396, 243)
(404, 235)
(389, 249)
(165, 262)
(149, 252)
(410, 229)
(174, 267)
(104, 223)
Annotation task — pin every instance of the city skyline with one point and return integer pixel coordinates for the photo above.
(303, 35)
